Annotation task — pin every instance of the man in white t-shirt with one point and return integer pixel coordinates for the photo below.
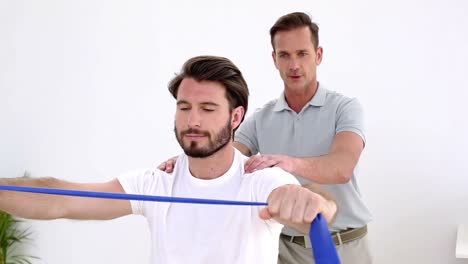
(211, 99)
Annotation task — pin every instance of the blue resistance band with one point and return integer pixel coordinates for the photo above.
(323, 247)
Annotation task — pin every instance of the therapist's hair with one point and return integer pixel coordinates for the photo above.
(294, 21)
(216, 69)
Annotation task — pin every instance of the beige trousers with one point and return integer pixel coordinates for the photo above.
(354, 252)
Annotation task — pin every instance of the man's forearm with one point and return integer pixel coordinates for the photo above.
(328, 169)
(30, 205)
(335, 167)
(329, 206)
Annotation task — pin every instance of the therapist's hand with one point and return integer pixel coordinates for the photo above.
(168, 165)
(259, 162)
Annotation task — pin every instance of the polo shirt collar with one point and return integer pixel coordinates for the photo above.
(319, 97)
(317, 100)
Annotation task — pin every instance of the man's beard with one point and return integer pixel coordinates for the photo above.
(220, 140)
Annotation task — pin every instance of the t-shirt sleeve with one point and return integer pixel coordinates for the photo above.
(247, 134)
(350, 117)
(143, 182)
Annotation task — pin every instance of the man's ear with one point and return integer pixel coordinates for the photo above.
(273, 55)
(237, 115)
(319, 55)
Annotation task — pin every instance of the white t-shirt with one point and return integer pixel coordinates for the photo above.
(195, 233)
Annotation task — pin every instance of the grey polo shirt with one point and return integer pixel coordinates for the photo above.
(277, 129)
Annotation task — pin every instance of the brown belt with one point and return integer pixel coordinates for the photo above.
(339, 238)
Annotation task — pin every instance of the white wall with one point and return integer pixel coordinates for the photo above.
(83, 97)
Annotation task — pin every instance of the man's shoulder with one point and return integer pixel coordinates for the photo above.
(264, 113)
(144, 175)
(336, 102)
(145, 181)
(336, 97)
(268, 107)
(137, 173)
(274, 174)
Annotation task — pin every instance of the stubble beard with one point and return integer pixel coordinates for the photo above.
(215, 143)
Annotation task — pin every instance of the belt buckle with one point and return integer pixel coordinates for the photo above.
(292, 239)
(306, 239)
(340, 241)
(307, 242)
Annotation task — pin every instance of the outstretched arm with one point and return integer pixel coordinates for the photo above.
(40, 206)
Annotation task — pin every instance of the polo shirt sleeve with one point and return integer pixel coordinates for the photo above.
(247, 134)
(350, 117)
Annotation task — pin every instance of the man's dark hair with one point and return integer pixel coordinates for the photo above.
(293, 21)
